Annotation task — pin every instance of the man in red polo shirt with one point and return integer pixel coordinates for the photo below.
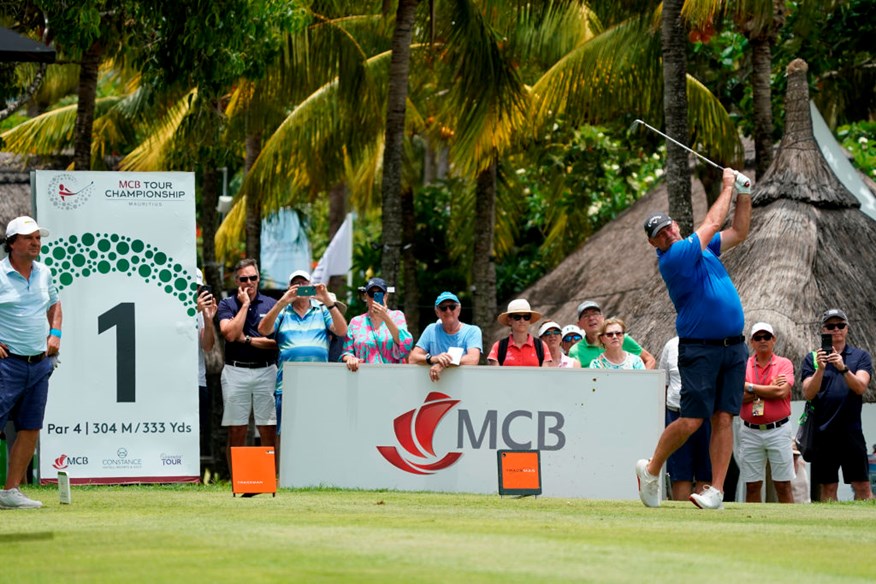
(766, 409)
(519, 348)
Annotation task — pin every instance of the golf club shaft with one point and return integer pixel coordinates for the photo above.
(674, 141)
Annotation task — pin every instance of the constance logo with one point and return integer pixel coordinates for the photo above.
(415, 431)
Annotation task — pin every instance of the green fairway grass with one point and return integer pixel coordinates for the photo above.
(198, 534)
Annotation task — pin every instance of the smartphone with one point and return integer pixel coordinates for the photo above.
(204, 288)
(827, 343)
(306, 290)
(378, 297)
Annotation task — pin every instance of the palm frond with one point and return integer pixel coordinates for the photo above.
(60, 81)
(616, 72)
(51, 132)
(151, 153)
(712, 129)
(485, 90)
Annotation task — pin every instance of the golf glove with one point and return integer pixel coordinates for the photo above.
(743, 184)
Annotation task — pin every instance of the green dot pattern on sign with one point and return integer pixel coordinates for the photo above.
(92, 254)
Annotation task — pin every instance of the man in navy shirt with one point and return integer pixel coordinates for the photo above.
(250, 372)
(711, 347)
(836, 382)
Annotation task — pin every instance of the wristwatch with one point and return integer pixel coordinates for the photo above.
(428, 358)
(843, 371)
(750, 388)
(247, 339)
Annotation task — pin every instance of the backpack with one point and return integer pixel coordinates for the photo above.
(503, 350)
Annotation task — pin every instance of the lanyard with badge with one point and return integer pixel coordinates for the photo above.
(758, 406)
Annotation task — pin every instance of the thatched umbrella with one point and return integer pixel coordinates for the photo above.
(809, 249)
(15, 196)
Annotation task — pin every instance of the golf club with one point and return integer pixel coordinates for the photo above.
(741, 179)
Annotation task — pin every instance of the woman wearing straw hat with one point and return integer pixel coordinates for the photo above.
(519, 349)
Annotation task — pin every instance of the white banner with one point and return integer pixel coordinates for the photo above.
(338, 257)
(123, 403)
(391, 428)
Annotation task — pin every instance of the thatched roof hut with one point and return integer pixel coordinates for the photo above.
(14, 190)
(809, 249)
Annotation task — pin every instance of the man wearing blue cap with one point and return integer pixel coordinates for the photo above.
(447, 341)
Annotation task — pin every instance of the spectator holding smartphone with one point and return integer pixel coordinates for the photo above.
(835, 382)
(380, 335)
(206, 304)
(300, 322)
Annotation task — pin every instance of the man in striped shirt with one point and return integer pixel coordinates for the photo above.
(300, 322)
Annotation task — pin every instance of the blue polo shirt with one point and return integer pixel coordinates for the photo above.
(258, 308)
(835, 404)
(435, 340)
(302, 339)
(23, 305)
(705, 298)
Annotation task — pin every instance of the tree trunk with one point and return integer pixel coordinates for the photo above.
(253, 202)
(483, 266)
(761, 58)
(762, 63)
(673, 44)
(336, 215)
(399, 69)
(207, 212)
(409, 263)
(85, 108)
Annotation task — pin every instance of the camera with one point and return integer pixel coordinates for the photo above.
(203, 288)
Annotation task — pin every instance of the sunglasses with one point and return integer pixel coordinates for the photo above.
(613, 334)
(762, 337)
(446, 307)
(520, 316)
(835, 325)
(551, 333)
(248, 278)
(571, 338)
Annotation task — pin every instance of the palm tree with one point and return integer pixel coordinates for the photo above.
(760, 21)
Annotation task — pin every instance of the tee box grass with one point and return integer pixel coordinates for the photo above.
(197, 533)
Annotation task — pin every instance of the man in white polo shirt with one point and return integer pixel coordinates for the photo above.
(30, 331)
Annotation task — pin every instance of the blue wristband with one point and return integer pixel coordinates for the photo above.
(55, 332)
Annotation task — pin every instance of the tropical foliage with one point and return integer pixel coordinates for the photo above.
(527, 103)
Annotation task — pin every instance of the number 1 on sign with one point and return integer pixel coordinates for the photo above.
(122, 317)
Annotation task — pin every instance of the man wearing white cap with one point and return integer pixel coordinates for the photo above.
(250, 372)
(448, 341)
(300, 322)
(765, 434)
(551, 334)
(571, 336)
(30, 331)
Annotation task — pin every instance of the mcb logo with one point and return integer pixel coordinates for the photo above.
(65, 461)
(415, 431)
